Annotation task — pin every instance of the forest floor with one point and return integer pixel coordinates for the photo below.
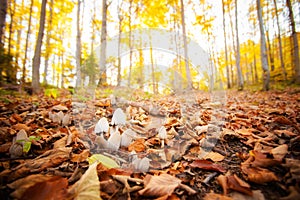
(233, 145)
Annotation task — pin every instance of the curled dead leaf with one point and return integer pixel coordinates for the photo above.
(207, 165)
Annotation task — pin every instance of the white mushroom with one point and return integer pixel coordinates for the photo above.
(114, 140)
(102, 126)
(127, 137)
(141, 165)
(162, 134)
(119, 117)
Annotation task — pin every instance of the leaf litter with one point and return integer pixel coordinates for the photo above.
(105, 149)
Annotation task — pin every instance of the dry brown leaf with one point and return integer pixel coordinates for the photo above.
(21, 185)
(137, 146)
(257, 195)
(279, 152)
(214, 156)
(80, 157)
(208, 165)
(59, 108)
(55, 188)
(214, 196)
(158, 186)
(261, 160)
(48, 159)
(258, 175)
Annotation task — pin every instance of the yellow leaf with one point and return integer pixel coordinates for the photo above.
(88, 187)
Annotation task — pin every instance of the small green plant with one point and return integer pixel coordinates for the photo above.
(27, 143)
(52, 92)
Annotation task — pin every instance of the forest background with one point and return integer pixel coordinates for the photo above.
(63, 43)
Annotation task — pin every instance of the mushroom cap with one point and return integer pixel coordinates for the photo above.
(119, 117)
(102, 126)
(162, 133)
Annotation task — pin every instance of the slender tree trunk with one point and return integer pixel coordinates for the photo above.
(49, 28)
(280, 43)
(119, 45)
(102, 65)
(295, 42)
(11, 70)
(130, 44)
(12, 9)
(238, 56)
(27, 43)
(186, 58)
(37, 53)
(78, 47)
(225, 43)
(233, 80)
(269, 51)
(3, 11)
(263, 49)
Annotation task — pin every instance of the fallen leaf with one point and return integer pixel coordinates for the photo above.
(158, 186)
(257, 195)
(279, 152)
(235, 183)
(80, 157)
(214, 196)
(214, 156)
(21, 185)
(258, 175)
(262, 160)
(88, 186)
(104, 160)
(207, 165)
(137, 146)
(59, 108)
(55, 188)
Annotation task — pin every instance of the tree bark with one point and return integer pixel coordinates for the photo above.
(78, 47)
(263, 49)
(102, 63)
(3, 11)
(225, 43)
(130, 44)
(280, 43)
(186, 58)
(27, 43)
(238, 56)
(295, 42)
(37, 53)
(48, 49)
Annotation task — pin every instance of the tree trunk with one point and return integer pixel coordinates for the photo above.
(186, 58)
(269, 51)
(102, 63)
(130, 44)
(280, 43)
(48, 49)
(78, 47)
(233, 80)
(37, 53)
(225, 43)
(263, 49)
(3, 10)
(27, 43)
(238, 56)
(119, 45)
(295, 42)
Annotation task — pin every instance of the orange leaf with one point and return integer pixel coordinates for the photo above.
(55, 188)
(137, 146)
(158, 186)
(208, 165)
